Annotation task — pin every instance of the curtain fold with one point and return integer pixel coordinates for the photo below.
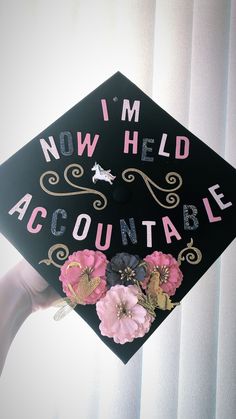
(226, 359)
(182, 53)
(207, 102)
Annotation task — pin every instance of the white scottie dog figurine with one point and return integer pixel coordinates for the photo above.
(101, 174)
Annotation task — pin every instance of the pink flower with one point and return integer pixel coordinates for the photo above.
(168, 267)
(84, 271)
(122, 318)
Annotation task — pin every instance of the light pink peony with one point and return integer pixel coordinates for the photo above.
(91, 260)
(168, 267)
(122, 318)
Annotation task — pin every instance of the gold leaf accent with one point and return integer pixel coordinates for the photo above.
(73, 264)
(154, 284)
(193, 254)
(147, 302)
(85, 287)
(76, 172)
(164, 302)
(62, 253)
(172, 178)
(160, 299)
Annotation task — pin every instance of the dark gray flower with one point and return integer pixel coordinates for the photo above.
(125, 269)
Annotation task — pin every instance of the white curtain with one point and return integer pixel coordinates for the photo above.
(182, 53)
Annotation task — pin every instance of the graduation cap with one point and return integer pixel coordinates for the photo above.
(121, 209)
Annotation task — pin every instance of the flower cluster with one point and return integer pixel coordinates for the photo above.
(127, 290)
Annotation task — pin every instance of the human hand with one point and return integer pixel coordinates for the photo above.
(42, 295)
(22, 291)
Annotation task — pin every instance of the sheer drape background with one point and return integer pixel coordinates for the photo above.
(182, 53)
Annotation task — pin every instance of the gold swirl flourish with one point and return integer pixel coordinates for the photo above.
(62, 253)
(77, 172)
(172, 178)
(193, 254)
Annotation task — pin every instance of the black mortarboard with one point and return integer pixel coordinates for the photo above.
(117, 174)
